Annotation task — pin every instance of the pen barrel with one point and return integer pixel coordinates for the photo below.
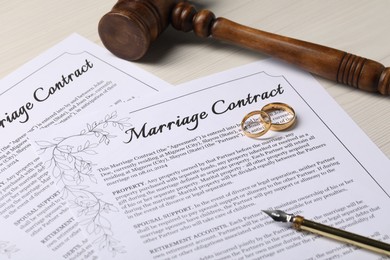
(341, 235)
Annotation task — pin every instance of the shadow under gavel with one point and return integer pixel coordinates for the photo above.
(132, 25)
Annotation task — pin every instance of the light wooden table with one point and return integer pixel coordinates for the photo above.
(360, 27)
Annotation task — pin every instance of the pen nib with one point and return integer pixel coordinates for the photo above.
(279, 215)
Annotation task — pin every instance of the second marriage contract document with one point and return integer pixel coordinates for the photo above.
(174, 177)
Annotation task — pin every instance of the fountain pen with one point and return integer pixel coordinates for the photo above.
(300, 223)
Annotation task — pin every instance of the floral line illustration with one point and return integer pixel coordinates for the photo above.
(72, 170)
(7, 249)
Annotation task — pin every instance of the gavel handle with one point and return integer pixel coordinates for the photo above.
(323, 61)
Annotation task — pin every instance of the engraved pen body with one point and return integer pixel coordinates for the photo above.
(300, 223)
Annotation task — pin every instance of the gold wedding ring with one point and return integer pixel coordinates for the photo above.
(284, 123)
(264, 119)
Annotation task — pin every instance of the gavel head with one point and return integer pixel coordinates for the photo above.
(129, 28)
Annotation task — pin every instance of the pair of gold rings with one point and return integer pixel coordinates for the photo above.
(283, 118)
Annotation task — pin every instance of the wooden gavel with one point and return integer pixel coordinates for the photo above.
(130, 27)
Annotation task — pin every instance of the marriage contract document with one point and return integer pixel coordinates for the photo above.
(174, 177)
(74, 76)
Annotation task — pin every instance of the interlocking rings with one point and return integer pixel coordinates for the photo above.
(283, 117)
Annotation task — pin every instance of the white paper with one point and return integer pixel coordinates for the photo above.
(75, 75)
(174, 177)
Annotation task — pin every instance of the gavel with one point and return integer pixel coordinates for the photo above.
(132, 25)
